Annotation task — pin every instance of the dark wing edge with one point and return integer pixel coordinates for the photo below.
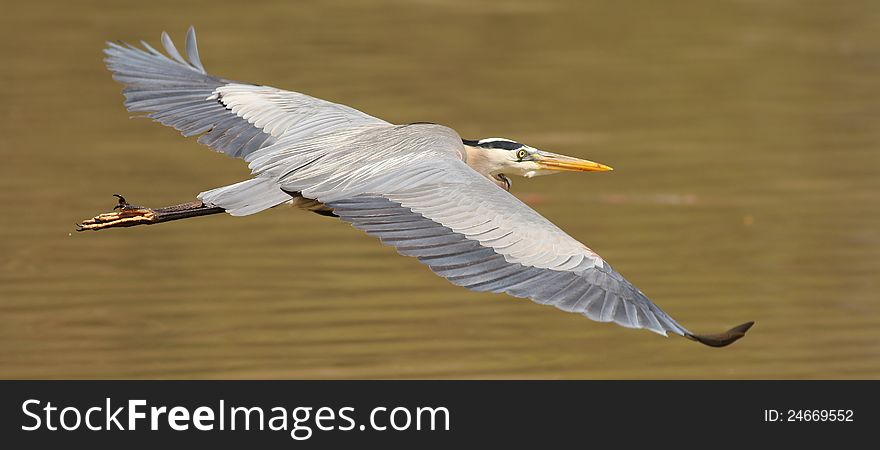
(176, 92)
(599, 293)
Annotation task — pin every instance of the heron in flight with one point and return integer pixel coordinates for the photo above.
(419, 187)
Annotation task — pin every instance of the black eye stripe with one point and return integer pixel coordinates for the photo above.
(503, 145)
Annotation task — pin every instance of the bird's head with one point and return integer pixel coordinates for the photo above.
(498, 157)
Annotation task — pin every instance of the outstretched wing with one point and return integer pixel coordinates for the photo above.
(478, 236)
(231, 117)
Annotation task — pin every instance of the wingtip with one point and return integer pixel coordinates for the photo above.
(722, 339)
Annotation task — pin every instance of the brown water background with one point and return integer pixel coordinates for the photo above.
(745, 137)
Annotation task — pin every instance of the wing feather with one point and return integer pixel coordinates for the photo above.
(231, 117)
(593, 289)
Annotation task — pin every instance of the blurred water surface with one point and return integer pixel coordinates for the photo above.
(744, 135)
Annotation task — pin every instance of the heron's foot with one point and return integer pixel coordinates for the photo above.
(123, 215)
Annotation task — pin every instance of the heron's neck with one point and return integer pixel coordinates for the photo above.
(487, 163)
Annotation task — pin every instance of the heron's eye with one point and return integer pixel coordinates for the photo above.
(521, 153)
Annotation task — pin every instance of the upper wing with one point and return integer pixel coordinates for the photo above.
(231, 117)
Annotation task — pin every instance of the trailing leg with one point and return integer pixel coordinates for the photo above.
(126, 215)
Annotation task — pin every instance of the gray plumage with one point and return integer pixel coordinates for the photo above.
(408, 185)
(597, 292)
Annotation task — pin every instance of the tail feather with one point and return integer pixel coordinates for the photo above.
(247, 197)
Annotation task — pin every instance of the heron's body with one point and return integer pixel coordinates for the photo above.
(418, 187)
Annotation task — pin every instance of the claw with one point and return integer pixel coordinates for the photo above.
(121, 204)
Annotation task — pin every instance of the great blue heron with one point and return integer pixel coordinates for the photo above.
(418, 187)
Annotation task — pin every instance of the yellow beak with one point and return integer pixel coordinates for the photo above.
(562, 163)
